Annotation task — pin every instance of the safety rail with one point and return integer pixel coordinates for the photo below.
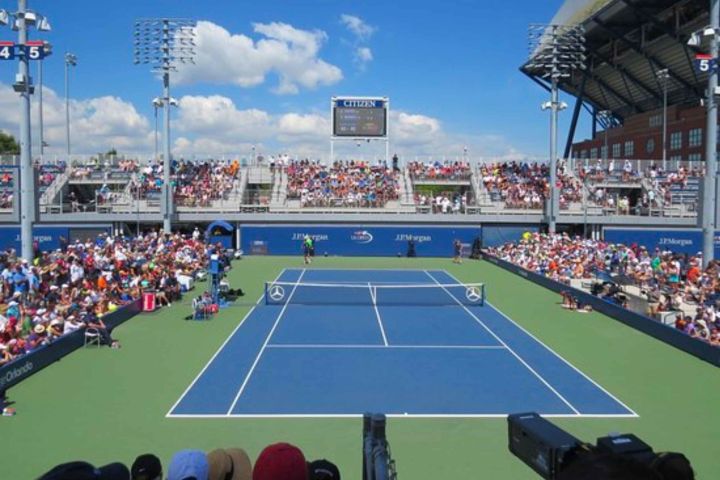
(378, 463)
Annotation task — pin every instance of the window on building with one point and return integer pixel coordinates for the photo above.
(695, 137)
(695, 157)
(676, 141)
(650, 145)
(593, 153)
(655, 120)
(616, 150)
(603, 152)
(629, 149)
(676, 158)
(583, 154)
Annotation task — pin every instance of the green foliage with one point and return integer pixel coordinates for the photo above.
(8, 145)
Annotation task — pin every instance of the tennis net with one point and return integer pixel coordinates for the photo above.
(423, 294)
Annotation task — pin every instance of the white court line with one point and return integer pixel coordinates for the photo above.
(217, 352)
(377, 314)
(264, 345)
(547, 384)
(370, 346)
(634, 414)
(394, 415)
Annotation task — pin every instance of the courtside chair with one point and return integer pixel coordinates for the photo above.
(92, 337)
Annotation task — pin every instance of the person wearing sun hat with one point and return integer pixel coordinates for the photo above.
(229, 464)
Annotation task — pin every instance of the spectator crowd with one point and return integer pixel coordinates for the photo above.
(73, 288)
(671, 282)
(279, 461)
(343, 184)
(447, 170)
(194, 183)
(526, 185)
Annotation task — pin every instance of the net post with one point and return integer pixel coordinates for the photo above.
(265, 294)
(482, 295)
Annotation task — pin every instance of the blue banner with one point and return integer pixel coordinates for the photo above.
(48, 238)
(497, 235)
(356, 240)
(675, 240)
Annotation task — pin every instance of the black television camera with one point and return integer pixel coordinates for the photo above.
(555, 454)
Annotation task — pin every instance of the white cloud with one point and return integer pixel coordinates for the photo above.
(96, 125)
(363, 56)
(357, 26)
(290, 53)
(214, 125)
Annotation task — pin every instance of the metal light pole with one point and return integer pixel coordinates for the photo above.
(70, 61)
(157, 102)
(27, 177)
(164, 43)
(709, 187)
(21, 20)
(555, 51)
(48, 50)
(664, 75)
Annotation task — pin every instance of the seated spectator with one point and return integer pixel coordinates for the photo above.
(280, 461)
(229, 464)
(187, 465)
(84, 470)
(146, 467)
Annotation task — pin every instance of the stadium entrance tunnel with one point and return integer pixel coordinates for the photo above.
(221, 232)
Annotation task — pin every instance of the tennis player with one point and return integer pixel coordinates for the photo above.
(457, 247)
(307, 249)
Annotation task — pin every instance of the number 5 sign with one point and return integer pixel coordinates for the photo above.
(705, 63)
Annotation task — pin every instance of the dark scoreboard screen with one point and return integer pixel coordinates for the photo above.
(359, 118)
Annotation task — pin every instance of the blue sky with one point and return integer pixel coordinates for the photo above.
(450, 67)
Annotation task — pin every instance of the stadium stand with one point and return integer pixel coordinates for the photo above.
(343, 184)
(667, 286)
(64, 291)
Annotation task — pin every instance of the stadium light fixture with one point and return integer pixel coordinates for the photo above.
(556, 52)
(70, 61)
(164, 43)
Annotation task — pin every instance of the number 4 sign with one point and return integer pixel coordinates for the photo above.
(7, 50)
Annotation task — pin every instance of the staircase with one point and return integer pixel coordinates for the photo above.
(50, 195)
(278, 197)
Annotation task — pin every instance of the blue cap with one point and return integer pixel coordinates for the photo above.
(188, 464)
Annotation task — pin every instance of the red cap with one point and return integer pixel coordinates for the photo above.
(280, 461)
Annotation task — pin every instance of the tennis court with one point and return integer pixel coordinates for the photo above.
(331, 342)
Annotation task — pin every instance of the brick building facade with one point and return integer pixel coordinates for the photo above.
(641, 137)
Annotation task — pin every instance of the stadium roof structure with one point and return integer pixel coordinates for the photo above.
(628, 42)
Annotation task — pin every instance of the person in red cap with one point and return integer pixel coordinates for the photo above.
(280, 461)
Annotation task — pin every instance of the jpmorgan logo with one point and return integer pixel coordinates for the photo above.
(406, 237)
(17, 372)
(680, 242)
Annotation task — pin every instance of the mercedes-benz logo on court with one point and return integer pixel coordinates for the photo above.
(473, 294)
(277, 293)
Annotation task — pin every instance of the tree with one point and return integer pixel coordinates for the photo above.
(8, 145)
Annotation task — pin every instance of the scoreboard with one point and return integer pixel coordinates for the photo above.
(359, 117)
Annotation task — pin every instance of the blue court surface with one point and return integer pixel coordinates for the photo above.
(420, 351)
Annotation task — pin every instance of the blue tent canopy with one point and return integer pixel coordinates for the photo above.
(221, 224)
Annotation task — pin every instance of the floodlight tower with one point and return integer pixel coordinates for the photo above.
(163, 43)
(26, 51)
(709, 37)
(555, 50)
